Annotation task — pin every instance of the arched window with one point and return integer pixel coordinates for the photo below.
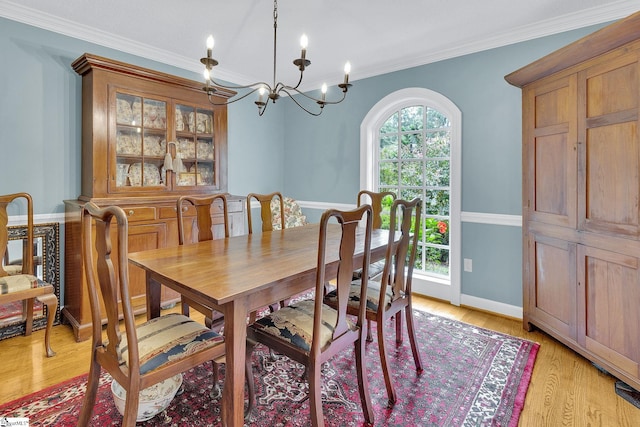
(410, 144)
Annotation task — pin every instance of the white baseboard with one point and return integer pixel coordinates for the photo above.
(491, 306)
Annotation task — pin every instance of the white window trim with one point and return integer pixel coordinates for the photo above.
(374, 119)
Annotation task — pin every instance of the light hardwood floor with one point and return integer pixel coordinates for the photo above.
(565, 390)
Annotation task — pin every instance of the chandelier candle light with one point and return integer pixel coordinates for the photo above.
(272, 92)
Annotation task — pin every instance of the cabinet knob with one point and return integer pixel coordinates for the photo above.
(130, 213)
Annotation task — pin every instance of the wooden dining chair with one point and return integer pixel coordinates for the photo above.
(375, 199)
(265, 210)
(23, 285)
(311, 332)
(142, 355)
(392, 295)
(201, 228)
(266, 215)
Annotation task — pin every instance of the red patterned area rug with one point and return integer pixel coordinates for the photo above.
(472, 377)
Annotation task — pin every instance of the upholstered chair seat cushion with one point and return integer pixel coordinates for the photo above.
(168, 338)
(373, 295)
(293, 216)
(375, 268)
(19, 282)
(13, 270)
(294, 323)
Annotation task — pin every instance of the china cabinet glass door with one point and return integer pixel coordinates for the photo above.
(141, 141)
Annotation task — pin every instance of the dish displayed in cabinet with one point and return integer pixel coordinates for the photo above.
(128, 143)
(154, 146)
(205, 150)
(147, 175)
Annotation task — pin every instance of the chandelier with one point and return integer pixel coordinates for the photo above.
(272, 91)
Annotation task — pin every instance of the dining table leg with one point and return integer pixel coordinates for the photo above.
(153, 296)
(235, 327)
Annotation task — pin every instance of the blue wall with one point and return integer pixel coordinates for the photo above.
(308, 158)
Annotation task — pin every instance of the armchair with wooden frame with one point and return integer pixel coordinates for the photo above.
(311, 332)
(144, 354)
(389, 297)
(23, 285)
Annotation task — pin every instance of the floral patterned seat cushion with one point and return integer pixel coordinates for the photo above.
(293, 216)
(373, 295)
(13, 270)
(19, 282)
(167, 338)
(294, 324)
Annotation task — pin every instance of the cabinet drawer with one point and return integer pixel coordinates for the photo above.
(140, 213)
(235, 205)
(170, 212)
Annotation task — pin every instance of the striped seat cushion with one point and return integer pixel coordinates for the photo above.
(20, 282)
(373, 295)
(168, 338)
(294, 324)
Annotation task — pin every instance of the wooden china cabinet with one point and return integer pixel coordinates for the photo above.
(581, 196)
(132, 118)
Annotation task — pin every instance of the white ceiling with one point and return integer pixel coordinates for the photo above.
(377, 36)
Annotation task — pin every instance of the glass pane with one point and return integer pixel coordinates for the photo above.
(410, 193)
(411, 146)
(154, 145)
(205, 149)
(205, 171)
(437, 260)
(436, 202)
(437, 173)
(438, 144)
(411, 173)
(186, 148)
(436, 120)
(154, 114)
(183, 113)
(411, 118)
(391, 125)
(389, 147)
(125, 112)
(388, 173)
(436, 231)
(204, 121)
(128, 142)
(122, 173)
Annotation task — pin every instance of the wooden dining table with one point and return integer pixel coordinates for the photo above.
(238, 275)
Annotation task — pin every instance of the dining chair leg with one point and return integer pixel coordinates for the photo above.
(363, 382)
(28, 309)
(412, 338)
(315, 395)
(384, 363)
(398, 322)
(251, 390)
(369, 334)
(131, 406)
(51, 302)
(217, 391)
(89, 401)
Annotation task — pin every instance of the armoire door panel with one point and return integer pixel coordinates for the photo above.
(611, 179)
(143, 237)
(609, 298)
(551, 165)
(552, 283)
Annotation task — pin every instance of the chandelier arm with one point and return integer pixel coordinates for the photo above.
(284, 89)
(231, 101)
(319, 101)
(252, 85)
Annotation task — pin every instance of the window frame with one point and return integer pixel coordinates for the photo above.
(450, 289)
